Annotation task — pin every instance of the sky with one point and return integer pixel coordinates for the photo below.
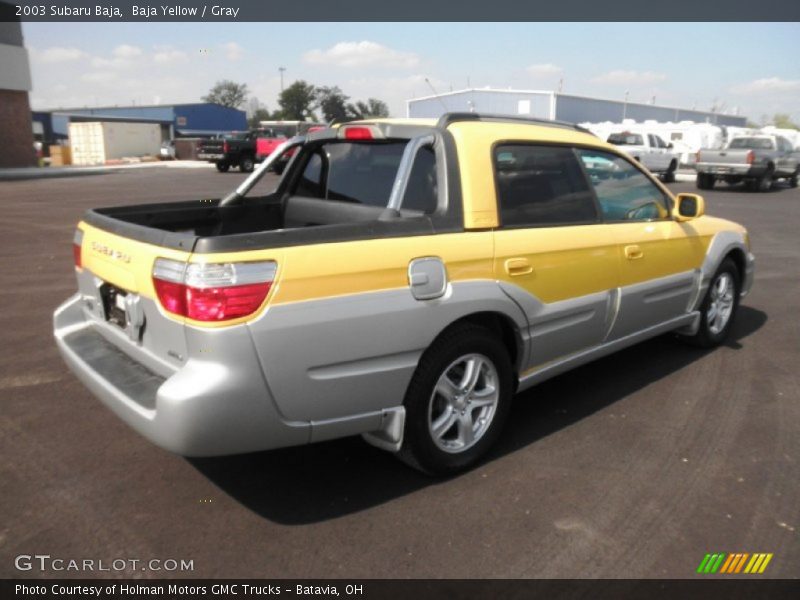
(752, 67)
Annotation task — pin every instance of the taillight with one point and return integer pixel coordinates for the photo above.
(77, 241)
(751, 157)
(212, 291)
(697, 156)
(357, 133)
(225, 147)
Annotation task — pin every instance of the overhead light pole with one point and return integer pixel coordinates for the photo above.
(281, 69)
(625, 106)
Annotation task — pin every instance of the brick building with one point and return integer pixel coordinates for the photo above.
(16, 133)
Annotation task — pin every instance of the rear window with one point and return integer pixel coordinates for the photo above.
(752, 143)
(625, 139)
(364, 173)
(541, 185)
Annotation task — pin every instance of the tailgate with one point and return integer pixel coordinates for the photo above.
(730, 157)
(116, 284)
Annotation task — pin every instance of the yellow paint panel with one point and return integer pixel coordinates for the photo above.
(566, 262)
(125, 263)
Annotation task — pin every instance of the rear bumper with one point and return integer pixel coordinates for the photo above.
(744, 170)
(205, 408)
(204, 156)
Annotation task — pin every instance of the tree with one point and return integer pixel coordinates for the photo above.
(371, 109)
(262, 114)
(333, 103)
(297, 101)
(227, 93)
(783, 121)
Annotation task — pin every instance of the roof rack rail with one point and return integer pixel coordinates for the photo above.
(454, 117)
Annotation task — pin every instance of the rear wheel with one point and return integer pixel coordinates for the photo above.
(669, 175)
(719, 306)
(246, 164)
(764, 183)
(704, 181)
(457, 401)
(794, 177)
(223, 167)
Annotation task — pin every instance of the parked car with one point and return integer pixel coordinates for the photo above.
(650, 150)
(167, 151)
(237, 149)
(756, 160)
(404, 281)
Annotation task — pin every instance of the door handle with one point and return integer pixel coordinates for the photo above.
(633, 252)
(518, 266)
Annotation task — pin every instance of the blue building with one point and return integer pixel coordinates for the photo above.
(177, 120)
(562, 107)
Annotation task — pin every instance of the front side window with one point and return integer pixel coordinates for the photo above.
(623, 191)
(541, 185)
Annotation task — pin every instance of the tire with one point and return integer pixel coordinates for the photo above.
(704, 181)
(246, 164)
(223, 167)
(718, 310)
(793, 179)
(469, 422)
(764, 183)
(669, 175)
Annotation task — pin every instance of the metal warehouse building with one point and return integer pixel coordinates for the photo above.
(176, 120)
(555, 105)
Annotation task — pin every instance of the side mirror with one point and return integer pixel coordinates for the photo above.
(669, 146)
(688, 207)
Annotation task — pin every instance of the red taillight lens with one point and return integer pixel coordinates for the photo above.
(211, 291)
(357, 133)
(172, 296)
(751, 157)
(225, 147)
(77, 241)
(223, 303)
(697, 156)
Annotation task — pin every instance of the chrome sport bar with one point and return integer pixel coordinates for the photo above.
(240, 192)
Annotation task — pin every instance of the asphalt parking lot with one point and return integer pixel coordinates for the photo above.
(634, 466)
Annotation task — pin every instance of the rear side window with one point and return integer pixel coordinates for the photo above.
(364, 173)
(626, 139)
(541, 185)
(623, 191)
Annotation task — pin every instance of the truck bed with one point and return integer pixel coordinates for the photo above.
(204, 226)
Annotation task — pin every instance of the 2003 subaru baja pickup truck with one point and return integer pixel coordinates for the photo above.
(404, 281)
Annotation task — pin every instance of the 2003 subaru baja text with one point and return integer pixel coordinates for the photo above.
(404, 281)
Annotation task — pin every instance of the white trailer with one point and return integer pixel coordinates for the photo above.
(97, 142)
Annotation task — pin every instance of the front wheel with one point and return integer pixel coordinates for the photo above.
(246, 164)
(764, 183)
(794, 177)
(719, 306)
(457, 401)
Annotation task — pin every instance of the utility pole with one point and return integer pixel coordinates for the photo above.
(281, 69)
(625, 106)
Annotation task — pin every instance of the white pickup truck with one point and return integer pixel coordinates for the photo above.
(650, 150)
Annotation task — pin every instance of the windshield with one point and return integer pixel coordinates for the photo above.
(752, 143)
(625, 139)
